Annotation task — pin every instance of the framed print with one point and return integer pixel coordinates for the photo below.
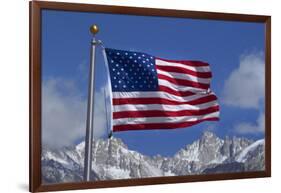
(124, 96)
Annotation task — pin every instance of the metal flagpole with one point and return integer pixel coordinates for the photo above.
(90, 108)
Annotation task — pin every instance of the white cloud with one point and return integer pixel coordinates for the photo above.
(250, 128)
(64, 113)
(245, 86)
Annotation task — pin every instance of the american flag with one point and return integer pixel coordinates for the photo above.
(153, 93)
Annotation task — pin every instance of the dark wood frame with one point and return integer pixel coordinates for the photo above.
(35, 7)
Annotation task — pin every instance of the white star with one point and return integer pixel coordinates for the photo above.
(143, 61)
(126, 53)
(135, 54)
(139, 57)
(118, 73)
(117, 65)
(114, 77)
(112, 61)
(135, 61)
(124, 86)
(119, 81)
(122, 69)
(118, 53)
(143, 55)
(113, 69)
(147, 59)
(115, 86)
(131, 57)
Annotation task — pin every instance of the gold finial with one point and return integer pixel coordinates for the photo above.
(94, 29)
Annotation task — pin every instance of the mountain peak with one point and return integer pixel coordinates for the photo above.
(208, 134)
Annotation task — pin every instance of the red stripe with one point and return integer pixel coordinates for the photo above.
(183, 82)
(175, 92)
(184, 70)
(122, 101)
(151, 126)
(187, 62)
(158, 113)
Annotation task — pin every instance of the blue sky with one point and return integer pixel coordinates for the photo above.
(233, 49)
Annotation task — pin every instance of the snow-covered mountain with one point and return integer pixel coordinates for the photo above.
(113, 160)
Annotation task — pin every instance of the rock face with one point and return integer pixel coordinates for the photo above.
(113, 160)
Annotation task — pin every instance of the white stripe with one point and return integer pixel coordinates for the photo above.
(160, 62)
(147, 107)
(184, 76)
(157, 94)
(178, 87)
(126, 121)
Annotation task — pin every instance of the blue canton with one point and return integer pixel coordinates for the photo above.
(131, 71)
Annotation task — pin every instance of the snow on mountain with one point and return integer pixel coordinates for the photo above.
(113, 160)
(242, 157)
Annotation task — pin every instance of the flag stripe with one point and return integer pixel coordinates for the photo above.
(159, 113)
(186, 71)
(174, 86)
(160, 62)
(160, 94)
(182, 82)
(151, 126)
(139, 120)
(169, 90)
(144, 107)
(157, 100)
(184, 77)
(186, 62)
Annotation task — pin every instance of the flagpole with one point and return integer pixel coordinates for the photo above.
(90, 108)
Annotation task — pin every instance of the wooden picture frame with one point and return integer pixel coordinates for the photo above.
(35, 93)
